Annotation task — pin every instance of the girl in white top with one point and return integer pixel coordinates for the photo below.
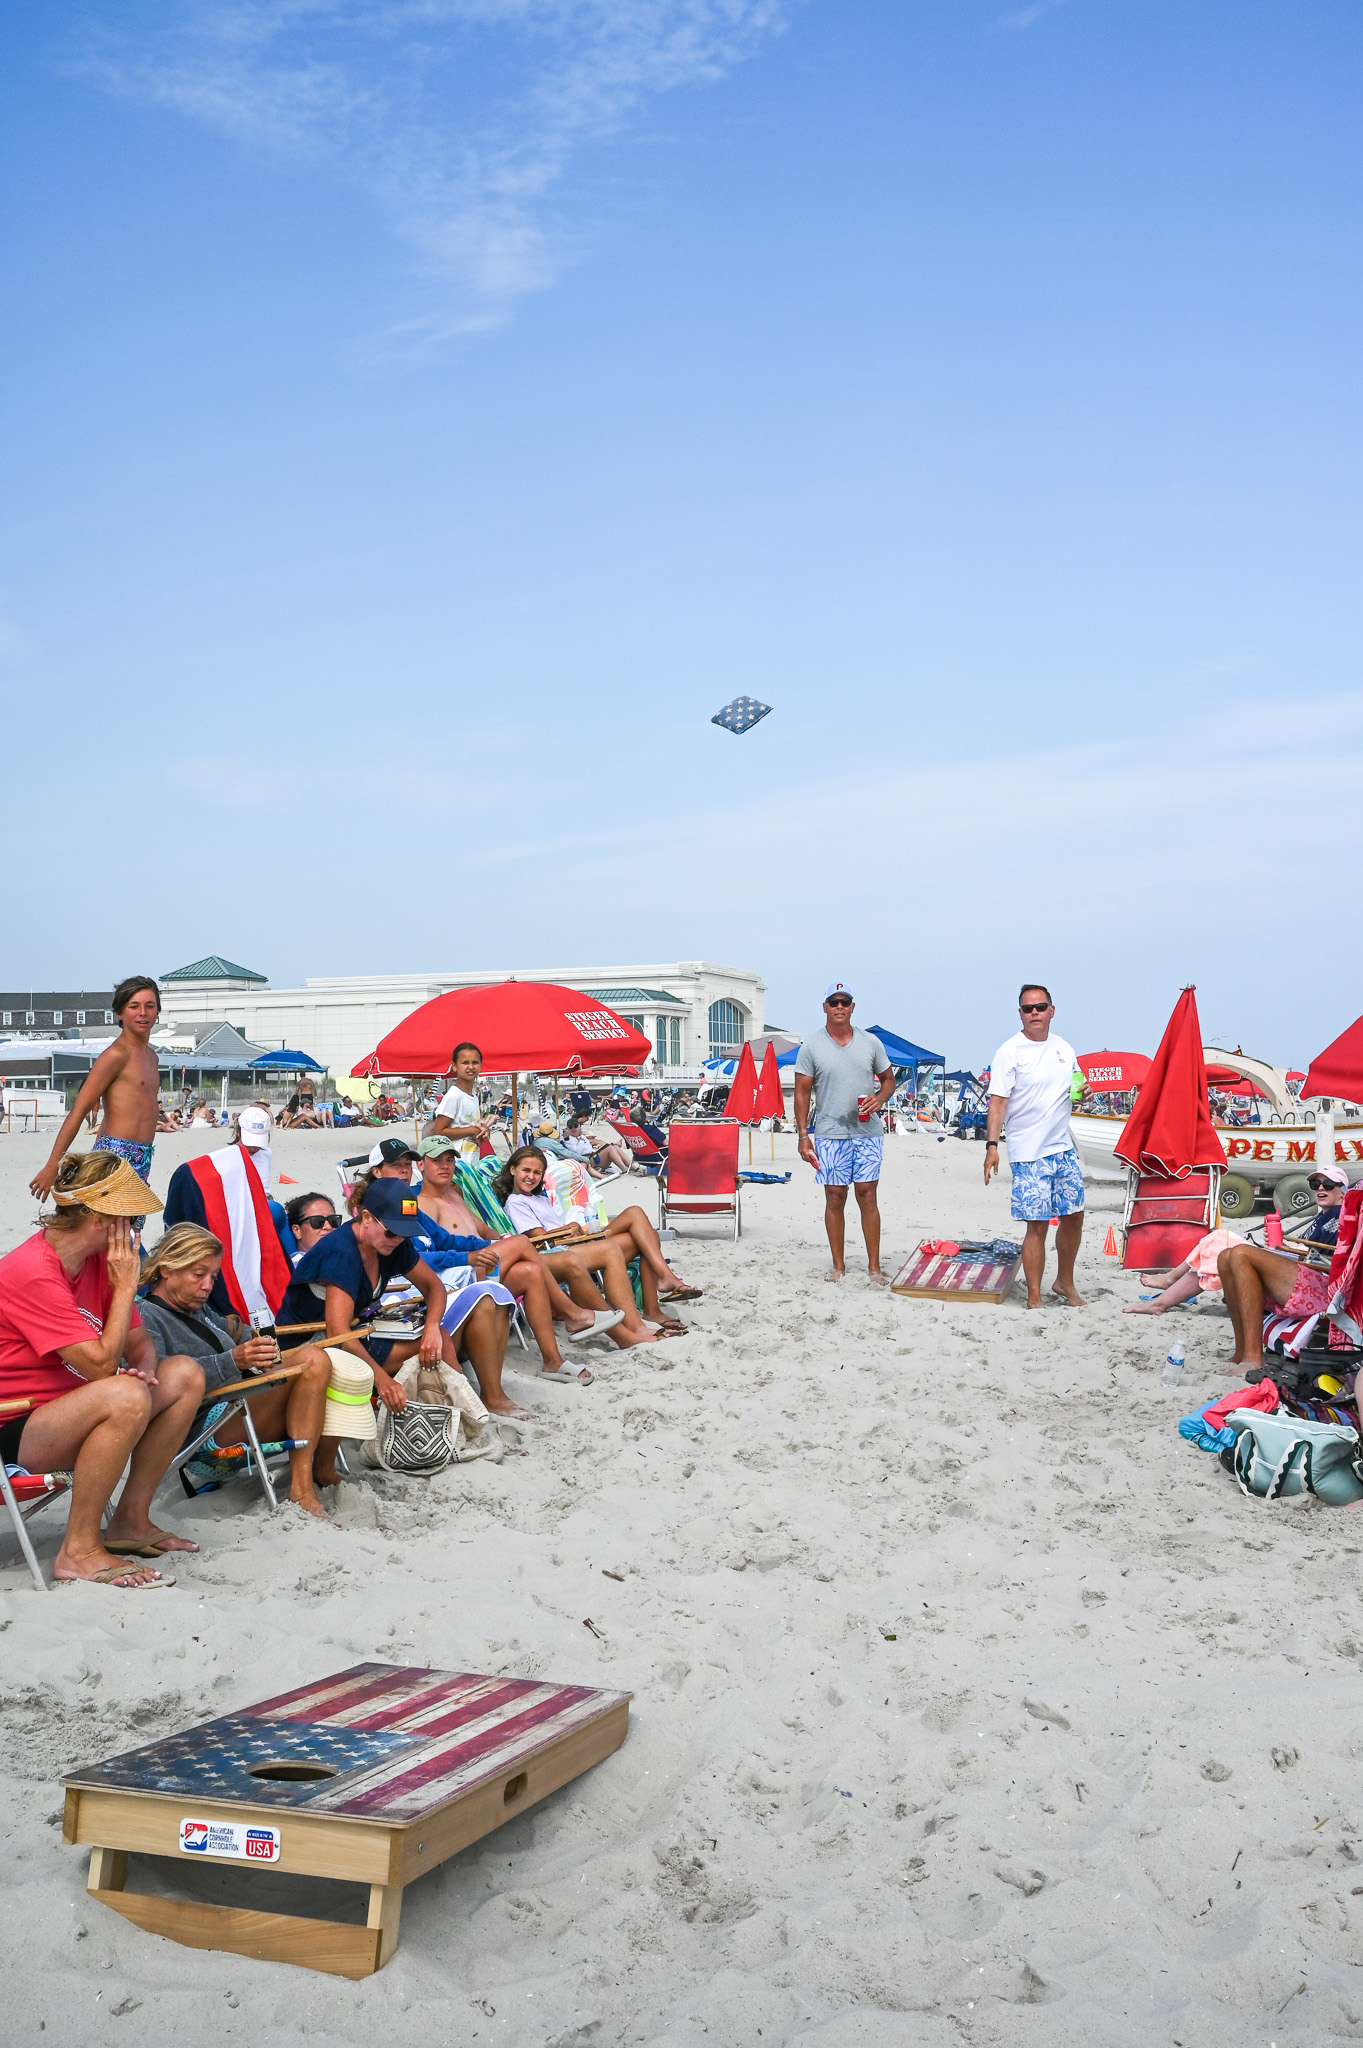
(531, 1206)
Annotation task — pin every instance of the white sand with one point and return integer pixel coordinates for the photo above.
(1017, 1822)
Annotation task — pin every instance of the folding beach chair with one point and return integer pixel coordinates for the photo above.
(23, 1496)
(646, 1154)
(1163, 1218)
(238, 1395)
(701, 1178)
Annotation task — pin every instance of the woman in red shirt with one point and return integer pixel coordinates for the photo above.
(71, 1342)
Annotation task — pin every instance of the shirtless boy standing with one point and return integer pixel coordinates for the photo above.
(124, 1080)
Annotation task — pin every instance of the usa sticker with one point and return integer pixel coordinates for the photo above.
(229, 1838)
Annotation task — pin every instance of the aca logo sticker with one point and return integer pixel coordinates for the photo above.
(194, 1834)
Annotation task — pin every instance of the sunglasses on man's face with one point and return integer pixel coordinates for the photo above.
(839, 1003)
(1033, 1009)
(319, 1222)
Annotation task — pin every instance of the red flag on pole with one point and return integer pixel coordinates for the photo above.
(742, 1102)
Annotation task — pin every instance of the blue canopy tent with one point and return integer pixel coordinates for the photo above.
(904, 1053)
(290, 1062)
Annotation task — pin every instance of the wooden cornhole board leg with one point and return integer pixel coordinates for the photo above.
(332, 1945)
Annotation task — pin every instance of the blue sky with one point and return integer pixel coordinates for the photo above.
(421, 415)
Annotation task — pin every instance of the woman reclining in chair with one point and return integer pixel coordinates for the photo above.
(1253, 1276)
(612, 1302)
(532, 1205)
(177, 1279)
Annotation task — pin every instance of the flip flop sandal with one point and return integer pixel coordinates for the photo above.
(566, 1377)
(669, 1327)
(603, 1320)
(683, 1294)
(152, 1548)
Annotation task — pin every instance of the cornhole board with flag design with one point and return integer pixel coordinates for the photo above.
(954, 1276)
(373, 1776)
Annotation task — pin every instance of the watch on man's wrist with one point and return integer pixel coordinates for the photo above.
(992, 1141)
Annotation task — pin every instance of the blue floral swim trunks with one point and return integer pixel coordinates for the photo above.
(845, 1160)
(1042, 1188)
(138, 1157)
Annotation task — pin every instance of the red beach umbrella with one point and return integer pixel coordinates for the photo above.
(770, 1101)
(520, 1027)
(1338, 1071)
(1170, 1130)
(1109, 1073)
(742, 1099)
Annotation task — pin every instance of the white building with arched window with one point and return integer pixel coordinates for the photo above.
(690, 1010)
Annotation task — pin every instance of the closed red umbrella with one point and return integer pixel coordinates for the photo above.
(741, 1104)
(1109, 1073)
(1338, 1071)
(1170, 1130)
(520, 1027)
(770, 1101)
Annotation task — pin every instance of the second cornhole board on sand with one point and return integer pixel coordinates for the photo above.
(952, 1276)
(374, 1775)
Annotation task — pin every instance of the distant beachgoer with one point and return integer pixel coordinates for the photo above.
(125, 1081)
(1029, 1101)
(1252, 1275)
(848, 1073)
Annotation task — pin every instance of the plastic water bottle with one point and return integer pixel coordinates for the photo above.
(1173, 1365)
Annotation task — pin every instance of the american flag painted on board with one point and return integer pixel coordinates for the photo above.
(397, 1740)
(954, 1273)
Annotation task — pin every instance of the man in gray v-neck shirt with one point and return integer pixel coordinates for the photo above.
(845, 1069)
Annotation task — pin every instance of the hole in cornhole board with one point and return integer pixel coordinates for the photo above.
(273, 1891)
(291, 1769)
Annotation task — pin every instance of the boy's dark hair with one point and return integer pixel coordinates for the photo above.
(1034, 988)
(465, 1045)
(299, 1206)
(134, 985)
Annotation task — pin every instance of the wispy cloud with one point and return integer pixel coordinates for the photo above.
(462, 116)
(1026, 17)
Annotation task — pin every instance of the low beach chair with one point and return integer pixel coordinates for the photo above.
(646, 1154)
(1164, 1218)
(701, 1178)
(24, 1496)
(238, 1395)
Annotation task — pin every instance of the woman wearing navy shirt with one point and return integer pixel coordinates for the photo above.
(350, 1269)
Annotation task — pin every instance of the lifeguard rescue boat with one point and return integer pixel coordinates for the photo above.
(1274, 1148)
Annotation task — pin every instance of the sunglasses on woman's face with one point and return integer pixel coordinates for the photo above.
(1320, 1184)
(319, 1222)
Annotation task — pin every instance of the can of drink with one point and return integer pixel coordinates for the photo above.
(262, 1325)
(864, 1108)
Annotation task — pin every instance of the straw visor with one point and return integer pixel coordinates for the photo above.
(120, 1192)
(349, 1386)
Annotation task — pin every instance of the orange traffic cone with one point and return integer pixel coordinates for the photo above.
(1110, 1250)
